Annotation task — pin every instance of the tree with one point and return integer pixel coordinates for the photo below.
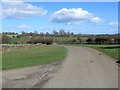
(62, 32)
(72, 33)
(42, 34)
(47, 33)
(23, 33)
(35, 32)
(55, 32)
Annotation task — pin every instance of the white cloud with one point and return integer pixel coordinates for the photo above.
(114, 24)
(23, 27)
(20, 10)
(73, 16)
(96, 20)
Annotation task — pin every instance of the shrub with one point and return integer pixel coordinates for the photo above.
(13, 36)
(100, 40)
(117, 40)
(41, 40)
(70, 41)
(5, 39)
(109, 40)
(89, 41)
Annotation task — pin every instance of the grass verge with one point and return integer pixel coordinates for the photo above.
(111, 50)
(33, 56)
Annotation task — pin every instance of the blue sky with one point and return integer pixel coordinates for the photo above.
(77, 17)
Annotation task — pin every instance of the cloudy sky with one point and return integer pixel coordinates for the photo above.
(77, 17)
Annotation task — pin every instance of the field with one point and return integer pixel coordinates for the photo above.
(12, 35)
(33, 56)
(111, 50)
(22, 39)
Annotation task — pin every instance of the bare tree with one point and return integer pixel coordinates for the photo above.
(62, 32)
(55, 32)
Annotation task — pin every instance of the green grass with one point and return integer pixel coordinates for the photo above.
(12, 36)
(114, 52)
(23, 39)
(63, 38)
(32, 57)
(14, 40)
(111, 52)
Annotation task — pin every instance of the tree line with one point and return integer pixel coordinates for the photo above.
(35, 37)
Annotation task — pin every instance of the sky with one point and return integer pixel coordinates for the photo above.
(77, 17)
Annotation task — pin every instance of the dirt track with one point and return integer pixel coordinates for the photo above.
(83, 68)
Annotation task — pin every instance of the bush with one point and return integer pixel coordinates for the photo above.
(41, 40)
(100, 40)
(117, 40)
(70, 41)
(89, 41)
(5, 39)
(105, 40)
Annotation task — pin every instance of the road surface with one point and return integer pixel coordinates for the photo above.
(83, 68)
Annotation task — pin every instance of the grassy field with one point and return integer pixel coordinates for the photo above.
(23, 39)
(32, 56)
(64, 38)
(110, 50)
(12, 36)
